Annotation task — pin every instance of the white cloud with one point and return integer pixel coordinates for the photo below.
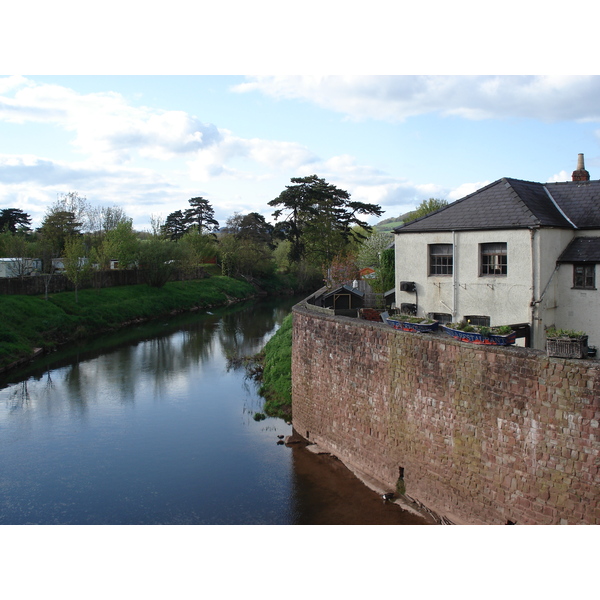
(273, 155)
(398, 97)
(104, 124)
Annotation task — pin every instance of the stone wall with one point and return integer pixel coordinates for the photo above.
(479, 435)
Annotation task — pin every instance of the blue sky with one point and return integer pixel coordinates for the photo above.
(149, 143)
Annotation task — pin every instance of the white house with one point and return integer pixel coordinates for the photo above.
(512, 253)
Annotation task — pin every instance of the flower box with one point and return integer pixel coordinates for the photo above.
(567, 348)
(474, 337)
(423, 326)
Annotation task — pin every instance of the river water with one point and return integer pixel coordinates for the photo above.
(153, 425)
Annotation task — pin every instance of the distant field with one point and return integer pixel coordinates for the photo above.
(388, 227)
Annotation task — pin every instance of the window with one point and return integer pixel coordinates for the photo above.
(478, 320)
(441, 317)
(493, 259)
(584, 277)
(440, 259)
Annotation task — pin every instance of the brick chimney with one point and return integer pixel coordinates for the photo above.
(580, 174)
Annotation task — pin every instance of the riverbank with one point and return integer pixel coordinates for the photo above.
(31, 325)
(273, 369)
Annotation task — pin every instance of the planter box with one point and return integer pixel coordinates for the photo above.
(566, 348)
(413, 327)
(477, 338)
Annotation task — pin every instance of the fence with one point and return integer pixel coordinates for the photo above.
(36, 285)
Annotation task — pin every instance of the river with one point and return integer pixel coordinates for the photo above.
(153, 425)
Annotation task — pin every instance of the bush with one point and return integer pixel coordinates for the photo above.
(276, 359)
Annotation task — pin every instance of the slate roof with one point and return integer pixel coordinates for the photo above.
(581, 249)
(580, 200)
(512, 203)
(345, 288)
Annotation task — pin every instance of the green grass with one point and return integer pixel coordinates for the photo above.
(29, 322)
(276, 359)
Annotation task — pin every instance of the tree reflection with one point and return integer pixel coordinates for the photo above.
(156, 354)
(19, 397)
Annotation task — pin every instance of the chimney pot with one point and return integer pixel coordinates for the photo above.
(580, 174)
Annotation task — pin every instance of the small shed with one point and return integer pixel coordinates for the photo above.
(344, 299)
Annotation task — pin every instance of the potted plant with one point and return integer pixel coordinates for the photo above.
(566, 343)
(480, 334)
(412, 323)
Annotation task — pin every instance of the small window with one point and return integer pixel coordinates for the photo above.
(440, 259)
(441, 317)
(479, 320)
(584, 276)
(493, 259)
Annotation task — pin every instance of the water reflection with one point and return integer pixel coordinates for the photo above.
(150, 426)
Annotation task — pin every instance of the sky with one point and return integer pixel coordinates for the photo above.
(149, 143)
(143, 108)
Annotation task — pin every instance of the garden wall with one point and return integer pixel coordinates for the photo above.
(479, 435)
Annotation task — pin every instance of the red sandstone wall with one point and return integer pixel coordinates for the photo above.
(484, 435)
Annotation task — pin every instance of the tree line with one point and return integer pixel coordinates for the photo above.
(318, 232)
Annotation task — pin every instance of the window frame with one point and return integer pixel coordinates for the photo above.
(584, 285)
(440, 261)
(493, 262)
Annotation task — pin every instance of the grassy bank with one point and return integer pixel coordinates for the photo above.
(276, 377)
(30, 322)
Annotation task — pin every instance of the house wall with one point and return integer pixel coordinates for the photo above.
(533, 292)
(576, 309)
(504, 299)
(483, 435)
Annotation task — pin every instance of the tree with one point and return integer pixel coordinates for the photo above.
(201, 215)
(252, 226)
(14, 220)
(369, 254)
(157, 260)
(77, 267)
(426, 207)
(245, 257)
(123, 243)
(202, 247)
(57, 227)
(103, 219)
(341, 270)
(386, 272)
(176, 225)
(72, 202)
(320, 219)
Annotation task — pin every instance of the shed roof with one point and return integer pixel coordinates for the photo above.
(345, 288)
(581, 249)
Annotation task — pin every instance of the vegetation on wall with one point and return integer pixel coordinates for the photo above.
(275, 372)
